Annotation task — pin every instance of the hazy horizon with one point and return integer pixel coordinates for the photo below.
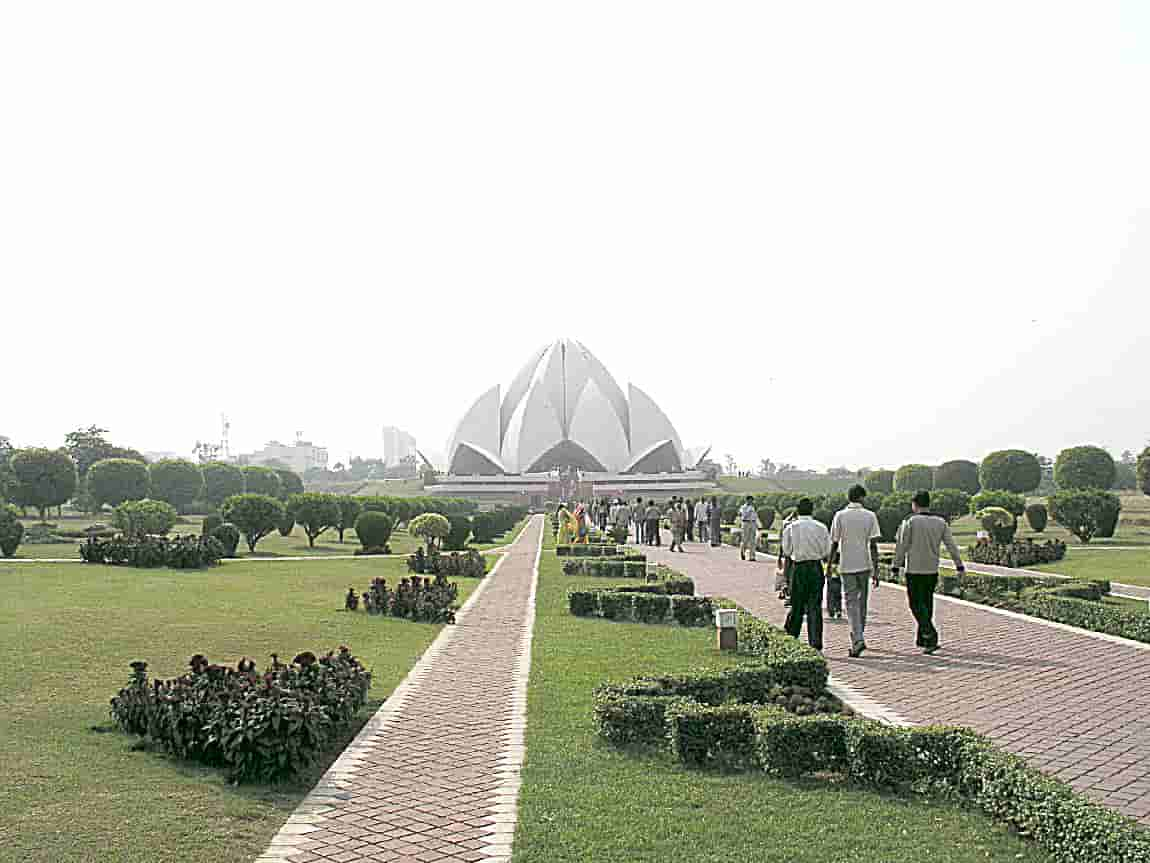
(826, 235)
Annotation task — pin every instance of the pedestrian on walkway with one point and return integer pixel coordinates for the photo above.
(621, 518)
(855, 534)
(785, 564)
(806, 543)
(700, 516)
(678, 525)
(749, 519)
(640, 516)
(917, 549)
(651, 531)
(715, 518)
(689, 512)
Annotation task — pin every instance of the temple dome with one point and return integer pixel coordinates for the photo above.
(564, 409)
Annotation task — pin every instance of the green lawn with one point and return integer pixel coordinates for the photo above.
(73, 790)
(1128, 567)
(581, 800)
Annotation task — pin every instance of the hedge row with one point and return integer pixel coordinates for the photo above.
(180, 552)
(605, 568)
(589, 550)
(1019, 553)
(641, 606)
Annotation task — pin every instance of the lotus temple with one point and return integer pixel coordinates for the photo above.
(565, 428)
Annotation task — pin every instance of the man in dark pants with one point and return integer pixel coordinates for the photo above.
(715, 516)
(919, 538)
(807, 543)
(639, 513)
(651, 531)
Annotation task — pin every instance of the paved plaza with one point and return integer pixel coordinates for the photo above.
(1071, 702)
(434, 775)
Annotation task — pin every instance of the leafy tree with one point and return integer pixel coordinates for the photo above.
(140, 517)
(1084, 512)
(255, 515)
(314, 512)
(894, 511)
(290, 483)
(1143, 471)
(262, 480)
(88, 446)
(176, 481)
(959, 474)
(287, 523)
(1011, 470)
(1125, 477)
(431, 527)
(1084, 467)
(881, 481)
(114, 480)
(44, 477)
(914, 477)
(950, 503)
(221, 481)
(1008, 500)
(374, 529)
(11, 530)
(7, 481)
(827, 505)
(349, 510)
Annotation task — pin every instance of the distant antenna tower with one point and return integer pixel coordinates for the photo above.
(225, 429)
(298, 437)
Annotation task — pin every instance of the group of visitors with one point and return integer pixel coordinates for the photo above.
(690, 520)
(851, 545)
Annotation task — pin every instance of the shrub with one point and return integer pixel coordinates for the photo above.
(1020, 554)
(11, 530)
(256, 515)
(950, 503)
(703, 735)
(880, 481)
(210, 523)
(1036, 517)
(766, 519)
(894, 511)
(999, 523)
(43, 478)
(261, 480)
(470, 564)
(315, 513)
(790, 662)
(374, 530)
(651, 608)
(1013, 503)
(228, 536)
(176, 481)
(457, 535)
(140, 517)
(258, 726)
(1125, 477)
(484, 527)
(143, 550)
(632, 720)
(221, 481)
(423, 600)
(1010, 470)
(431, 527)
(614, 605)
(1086, 614)
(795, 745)
(692, 610)
(349, 510)
(1084, 512)
(1110, 515)
(1082, 467)
(914, 477)
(1143, 470)
(827, 505)
(959, 474)
(583, 603)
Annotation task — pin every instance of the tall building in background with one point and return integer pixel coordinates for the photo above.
(300, 457)
(397, 445)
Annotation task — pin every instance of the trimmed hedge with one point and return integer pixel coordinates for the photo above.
(589, 550)
(793, 662)
(635, 606)
(181, 552)
(1020, 553)
(605, 568)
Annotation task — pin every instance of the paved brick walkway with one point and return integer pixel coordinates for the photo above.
(434, 775)
(1074, 705)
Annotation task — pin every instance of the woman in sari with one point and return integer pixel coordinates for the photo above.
(566, 526)
(582, 525)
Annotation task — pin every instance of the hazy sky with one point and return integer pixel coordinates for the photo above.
(824, 233)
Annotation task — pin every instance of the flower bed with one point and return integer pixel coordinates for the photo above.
(1020, 553)
(258, 726)
(468, 564)
(423, 600)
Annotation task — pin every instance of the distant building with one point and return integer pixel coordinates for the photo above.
(154, 456)
(397, 445)
(300, 457)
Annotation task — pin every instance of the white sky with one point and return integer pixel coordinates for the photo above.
(824, 233)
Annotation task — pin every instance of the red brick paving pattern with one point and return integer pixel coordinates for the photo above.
(1074, 705)
(434, 775)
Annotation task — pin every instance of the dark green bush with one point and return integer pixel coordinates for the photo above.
(914, 477)
(880, 481)
(632, 720)
(176, 481)
(1019, 553)
(139, 517)
(1085, 513)
(583, 603)
(1036, 517)
(424, 600)
(827, 505)
(456, 539)
(1083, 467)
(1007, 500)
(692, 610)
(792, 746)
(616, 606)
(651, 608)
(894, 511)
(228, 536)
(1010, 470)
(115, 480)
(11, 530)
(210, 523)
(959, 474)
(374, 529)
(792, 662)
(950, 503)
(703, 735)
(221, 481)
(1142, 470)
(180, 552)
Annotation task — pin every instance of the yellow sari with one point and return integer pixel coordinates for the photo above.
(566, 527)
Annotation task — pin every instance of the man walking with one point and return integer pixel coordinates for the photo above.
(749, 519)
(806, 544)
(918, 550)
(715, 517)
(678, 525)
(651, 530)
(700, 516)
(640, 517)
(689, 510)
(854, 547)
(621, 517)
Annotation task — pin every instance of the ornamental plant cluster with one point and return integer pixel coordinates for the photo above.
(424, 600)
(178, 552)
(11, 530)
(470, 564)
(258, 726)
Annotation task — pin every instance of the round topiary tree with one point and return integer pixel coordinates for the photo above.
(881, 481)
(144, 517)
(44, 478)
(999, 523)
(112, 481)
(1036, 517)
(315, 512)
(1013, 503)
(1084, 467)
(374, 531)
(256, 515)
(950, 503)
(430, 527)
(262, 480)
(221, 481)
(228, 535)
(914, 477)
(959, 474)
(1010, 470)
(1084, 512)
(11, 530)
(176, 481)
(456, 539)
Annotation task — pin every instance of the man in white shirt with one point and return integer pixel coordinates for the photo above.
(750, 523)
(806, 543)
(700, 516)
(854, 546)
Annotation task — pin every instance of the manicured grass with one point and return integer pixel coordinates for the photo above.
(582, 800)
(1130, 566)
(74, 790)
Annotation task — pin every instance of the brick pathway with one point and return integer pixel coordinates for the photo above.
(434, 775)
(1073, 704)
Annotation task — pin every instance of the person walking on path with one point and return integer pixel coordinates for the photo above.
(688, 511)
(700, 517)
(651, 530)
(806, 544)
(917, 549)
(749, 519)
(855, 534)
(678, 525)
(715, 517)
(640, 517)
(621, 518)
